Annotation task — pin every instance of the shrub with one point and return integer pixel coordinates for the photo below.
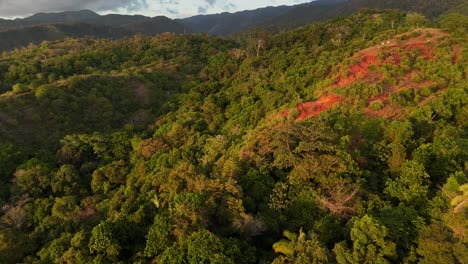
(403, 98)
(415, 34)
(424, 91)
(376, 105)
(404, 37)
(20, 88)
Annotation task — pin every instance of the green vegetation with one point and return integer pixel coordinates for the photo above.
(186, 149)
(41, 27)
(322, 10)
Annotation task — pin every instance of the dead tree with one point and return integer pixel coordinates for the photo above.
(260, 45)
(338, 198)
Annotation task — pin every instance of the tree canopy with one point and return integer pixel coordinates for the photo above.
(336, 142)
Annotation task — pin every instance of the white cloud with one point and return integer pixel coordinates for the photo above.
(170, 8)
(14, 8)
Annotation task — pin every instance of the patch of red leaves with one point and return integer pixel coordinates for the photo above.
(313, 109)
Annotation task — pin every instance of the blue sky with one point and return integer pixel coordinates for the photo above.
(170, 8)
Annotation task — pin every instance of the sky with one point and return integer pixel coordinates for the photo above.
(169, 8)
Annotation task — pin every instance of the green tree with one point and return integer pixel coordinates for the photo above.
(300, 248)
(416, 20)
(455, 22)
(109, 177)
(10, 158)
(20, 88)
(103, 241)
(158, 237)
(14, 246)
(173, 255)
(205, 247)
(399, 135)
(412, 184)
(33, 177)
(66, 181)
(403, 224)
(437, 244)
(370, 244)
(52, 253)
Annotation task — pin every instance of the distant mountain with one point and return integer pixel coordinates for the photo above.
(322, 10)
(55, 26)
(119, 20)
(52, 26)
(21, 37)
(62, 17)
(6, 24)
(83, 16)
(319, 10)
(229, 23)
(156, 25)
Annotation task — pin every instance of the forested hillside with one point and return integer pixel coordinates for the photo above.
(24, 36)
(40, 27)
(339, 142)
(230, 23)
(326, 9)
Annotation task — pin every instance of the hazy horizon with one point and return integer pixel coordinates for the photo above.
(11, 9)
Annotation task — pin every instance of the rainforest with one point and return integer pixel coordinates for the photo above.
(339, 141)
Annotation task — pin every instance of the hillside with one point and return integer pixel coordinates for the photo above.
(24, 36)
(336, 142)
(157, 25)
(229, 23)
(394, 85)
(70, 17)
(58, 26)
(44, 26)
(324, 10)
(279, 18)
(61, 17)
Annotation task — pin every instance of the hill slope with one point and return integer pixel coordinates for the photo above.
(24, 36)
(61, 17)
(156, 25)
(43, 26)
(338, 142)
(323, 10)
(54, 26)
(229, 23)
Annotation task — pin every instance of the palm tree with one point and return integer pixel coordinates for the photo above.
(288, 246)
(300, 248)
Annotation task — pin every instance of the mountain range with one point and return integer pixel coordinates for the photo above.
(54, 26)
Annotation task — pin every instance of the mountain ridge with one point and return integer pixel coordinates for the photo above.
(229, 23)
(55, 26)
(224, 24)
(324, 10)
